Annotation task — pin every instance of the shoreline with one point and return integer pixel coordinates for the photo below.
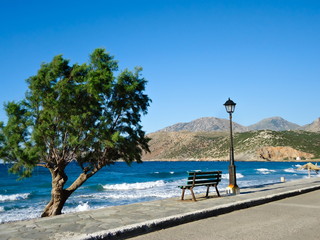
(139, 218)
(164, 199)
(154, 184)
(225, 160)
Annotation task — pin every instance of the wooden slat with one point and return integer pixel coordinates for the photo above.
(203, 176)
(204, 180)
(205, 173)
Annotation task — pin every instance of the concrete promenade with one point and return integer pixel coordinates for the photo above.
(121, 222)
(293, 218)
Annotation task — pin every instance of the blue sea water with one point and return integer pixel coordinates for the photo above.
(121, 184)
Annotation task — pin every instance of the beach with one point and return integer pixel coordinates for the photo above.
(120, 222)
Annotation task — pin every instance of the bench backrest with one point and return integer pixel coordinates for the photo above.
(204, 178)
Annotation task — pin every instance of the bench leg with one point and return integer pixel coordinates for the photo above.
(217, 190)
(193, 196)
(182, 196)
(207, 191)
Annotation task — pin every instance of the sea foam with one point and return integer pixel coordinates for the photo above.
(14, 197)
(138, 195)
(226, 175)
(265, 170)
(134, 186)
(290, 170)
(17, 214)
(83, 206)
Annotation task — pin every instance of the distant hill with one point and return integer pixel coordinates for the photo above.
(312, 127)
(263, 145)
(212, 124)
(271, 139)
(275, 124)
(206, 124)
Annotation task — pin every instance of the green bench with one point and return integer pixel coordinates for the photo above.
(198, 179)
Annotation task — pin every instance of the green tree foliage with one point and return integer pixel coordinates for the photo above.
(81, 113)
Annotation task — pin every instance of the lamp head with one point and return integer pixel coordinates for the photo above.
(230, 106)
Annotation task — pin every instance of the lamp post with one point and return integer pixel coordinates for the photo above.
(233, 188)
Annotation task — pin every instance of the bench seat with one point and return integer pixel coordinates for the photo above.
(198, 179)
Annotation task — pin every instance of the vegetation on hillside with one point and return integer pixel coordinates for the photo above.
(216, 145)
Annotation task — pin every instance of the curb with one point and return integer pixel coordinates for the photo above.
(161, 223)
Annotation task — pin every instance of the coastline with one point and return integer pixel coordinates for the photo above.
(225, 160)
(155, 180)
(135, 219)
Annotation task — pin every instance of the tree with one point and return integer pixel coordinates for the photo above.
(82, 113)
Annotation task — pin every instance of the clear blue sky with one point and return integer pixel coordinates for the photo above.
(264, 55)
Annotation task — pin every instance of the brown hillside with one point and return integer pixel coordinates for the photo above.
(249, 146)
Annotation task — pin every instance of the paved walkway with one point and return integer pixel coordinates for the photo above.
(294, 218)
(131, 220)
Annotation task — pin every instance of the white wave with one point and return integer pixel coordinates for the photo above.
(239, 175)
(134, 186)
(135, 194)
(159, 172)
(226, 175)
(265, 170)
(311, 176)
(1, 209)
(157, 189)
(83, 206)
(140, 195)
(290, 170)
(17, 214)
(14, 197)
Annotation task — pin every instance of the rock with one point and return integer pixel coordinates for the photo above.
(281, 153)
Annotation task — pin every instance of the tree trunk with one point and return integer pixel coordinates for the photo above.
(54, 207)
(58, 194)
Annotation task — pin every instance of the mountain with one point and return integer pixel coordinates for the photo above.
(312, 127)
(212, 124)
(206, 124)
(208, 139)
(263, 145)
(275, 124)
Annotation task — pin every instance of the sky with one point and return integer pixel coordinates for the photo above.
(195, 54)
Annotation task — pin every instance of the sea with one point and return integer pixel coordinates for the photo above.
(120, 184)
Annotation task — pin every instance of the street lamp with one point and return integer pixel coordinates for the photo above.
(233, 187)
